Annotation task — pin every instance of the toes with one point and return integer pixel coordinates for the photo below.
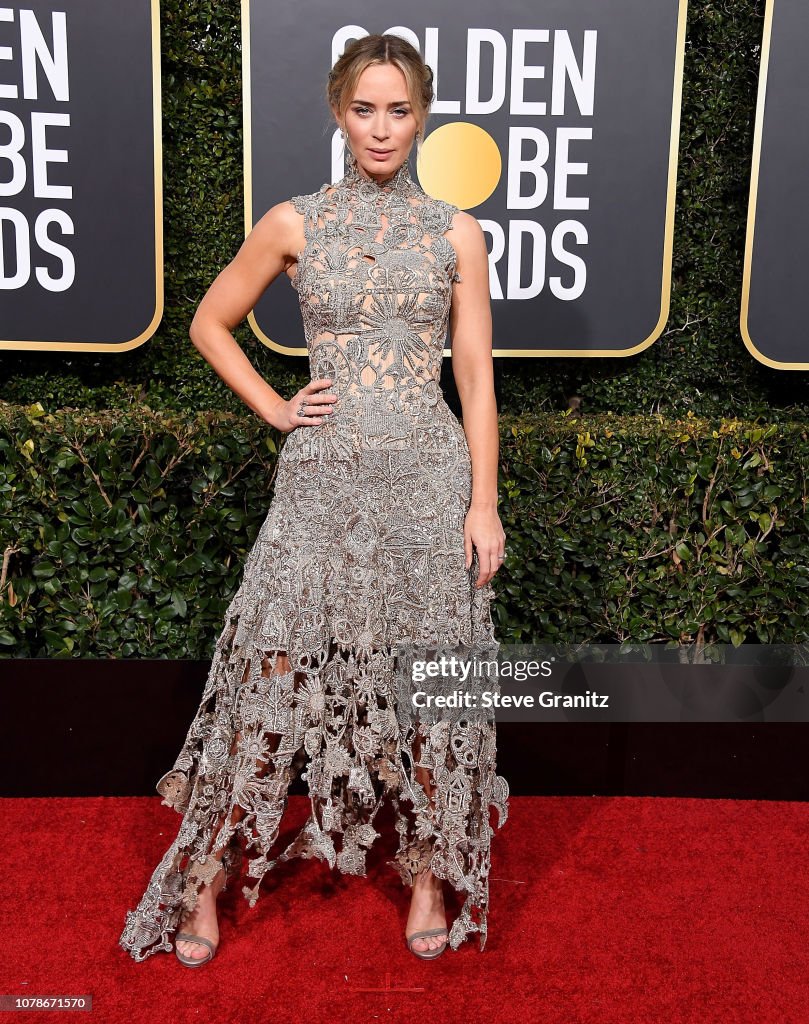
(193, 949)
(428, 942)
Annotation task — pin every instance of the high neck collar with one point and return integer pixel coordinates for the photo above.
(400, 183)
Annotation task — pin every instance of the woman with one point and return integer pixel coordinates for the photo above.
(383, 529)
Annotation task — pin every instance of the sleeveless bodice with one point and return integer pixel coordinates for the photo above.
(374, 282)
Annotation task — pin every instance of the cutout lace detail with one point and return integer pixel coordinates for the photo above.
(362, 549)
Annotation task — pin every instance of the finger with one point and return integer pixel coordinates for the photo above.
(326, 402)
(467, 548)
(492, 565)
(482, 577)
(314, 397)
(305, 415)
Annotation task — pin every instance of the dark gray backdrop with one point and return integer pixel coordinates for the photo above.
(629, 184)
(775, 325)
(112, 168)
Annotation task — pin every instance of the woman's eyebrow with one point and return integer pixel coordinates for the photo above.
(398, 103)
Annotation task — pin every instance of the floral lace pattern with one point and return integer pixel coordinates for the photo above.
(361, 550)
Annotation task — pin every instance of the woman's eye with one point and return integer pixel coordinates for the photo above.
(364, 110)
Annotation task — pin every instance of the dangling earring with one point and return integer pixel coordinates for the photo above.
(344, 140)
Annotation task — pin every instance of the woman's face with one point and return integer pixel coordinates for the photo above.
(380, 123)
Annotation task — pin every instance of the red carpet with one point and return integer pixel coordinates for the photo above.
(606, 910)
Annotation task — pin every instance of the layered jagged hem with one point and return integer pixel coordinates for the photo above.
(170, 892)
(337, 706)
(175, 883)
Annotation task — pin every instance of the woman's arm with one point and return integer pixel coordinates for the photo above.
(471, 328)
(268, 250)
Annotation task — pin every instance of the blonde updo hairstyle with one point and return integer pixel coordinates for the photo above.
(382, 49)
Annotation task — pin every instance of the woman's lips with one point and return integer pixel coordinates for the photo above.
(380, 154)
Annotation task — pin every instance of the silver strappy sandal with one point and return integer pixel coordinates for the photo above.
(427, 954)
(191, 961)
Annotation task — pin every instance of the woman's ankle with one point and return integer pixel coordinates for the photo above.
(427, 880)
(207, 893)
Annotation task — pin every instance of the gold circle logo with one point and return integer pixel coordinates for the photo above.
(459, 163)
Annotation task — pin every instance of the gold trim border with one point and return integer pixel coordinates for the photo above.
(125, 346)
(247, 174)
(668, 235)
(761, 99)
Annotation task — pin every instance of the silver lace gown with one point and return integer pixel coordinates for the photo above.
(362, 549)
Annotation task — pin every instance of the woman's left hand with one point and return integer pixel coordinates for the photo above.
(483, 531)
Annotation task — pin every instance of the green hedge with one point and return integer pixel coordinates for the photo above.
(699, 364)
(652, 530)
(124, 533)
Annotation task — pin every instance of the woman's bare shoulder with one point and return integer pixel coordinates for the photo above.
(283, 215)
(280, 228)
(465, 227)
(468, 238)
